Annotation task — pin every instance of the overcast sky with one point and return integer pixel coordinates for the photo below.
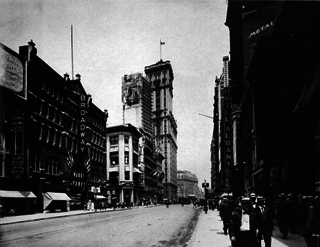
(113, 38)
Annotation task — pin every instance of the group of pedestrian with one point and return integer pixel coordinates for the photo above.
(251, 221)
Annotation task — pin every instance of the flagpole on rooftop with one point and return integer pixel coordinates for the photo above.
(72, 52)
(161, 43)
(160, 49)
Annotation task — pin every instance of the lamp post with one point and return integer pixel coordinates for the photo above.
(205, 185)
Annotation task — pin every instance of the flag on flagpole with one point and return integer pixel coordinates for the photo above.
(69, 160)
(161, 42)
(87, 164)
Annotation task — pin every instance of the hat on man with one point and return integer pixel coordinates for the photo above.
(261, 199)
(245, 200)
(253, 195)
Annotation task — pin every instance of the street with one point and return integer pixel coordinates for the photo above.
(144, 226)
(154, 226)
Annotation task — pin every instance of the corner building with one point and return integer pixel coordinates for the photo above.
(137, 106)
(160, 76)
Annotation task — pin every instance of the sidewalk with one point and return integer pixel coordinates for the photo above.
(208, 232)
(41, 216)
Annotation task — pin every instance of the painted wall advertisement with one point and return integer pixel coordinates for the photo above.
(11, 71)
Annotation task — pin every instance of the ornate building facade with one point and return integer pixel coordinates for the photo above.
(63, 139)
(160, 76)
(137, 106)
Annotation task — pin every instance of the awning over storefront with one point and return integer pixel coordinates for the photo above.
(16, 194)
(48, 197)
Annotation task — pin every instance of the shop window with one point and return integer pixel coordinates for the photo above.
(114, 178)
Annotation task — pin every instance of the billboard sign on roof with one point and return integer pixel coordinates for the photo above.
(11, 70)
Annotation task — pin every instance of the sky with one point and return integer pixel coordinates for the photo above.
(114, 38)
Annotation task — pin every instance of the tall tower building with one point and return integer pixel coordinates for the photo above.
(160, 76)
(137, 101)
(137, 111)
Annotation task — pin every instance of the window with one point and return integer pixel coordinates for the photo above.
(36, 162)
(158, 128)
(19, 142)
(126, 139)
(114, 140)
(2, 154)
(165, 99)
(135, 160)
(53, 165)
(158, 106)
(135, 144)
(127, 175)
(126, 158)
(114, 159)
(95, 175)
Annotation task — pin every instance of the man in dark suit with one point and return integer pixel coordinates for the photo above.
(244, 225)
(266, 225)
(225, 213)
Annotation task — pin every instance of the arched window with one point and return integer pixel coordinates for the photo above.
(53, 165)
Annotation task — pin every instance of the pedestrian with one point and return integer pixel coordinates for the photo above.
(253, 199)
(225, 214)
(244, 225)
(1, 210)
(283, 215)
(195, 204)
(266, 226)
(205, 206)
(312, 229)
(293, 211)
(167, 202)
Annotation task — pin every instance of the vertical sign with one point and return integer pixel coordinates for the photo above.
(17, 161)
(228, 128)
(84, 104)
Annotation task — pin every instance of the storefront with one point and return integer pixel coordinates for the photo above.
(53, 202)
(17, 202)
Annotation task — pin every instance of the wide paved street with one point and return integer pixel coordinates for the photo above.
(154, 226)
(144, 227)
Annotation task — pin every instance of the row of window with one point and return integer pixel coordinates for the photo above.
(53, 114)
(52, 92)
(52, 164)
(59, 139)
(114, 158)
